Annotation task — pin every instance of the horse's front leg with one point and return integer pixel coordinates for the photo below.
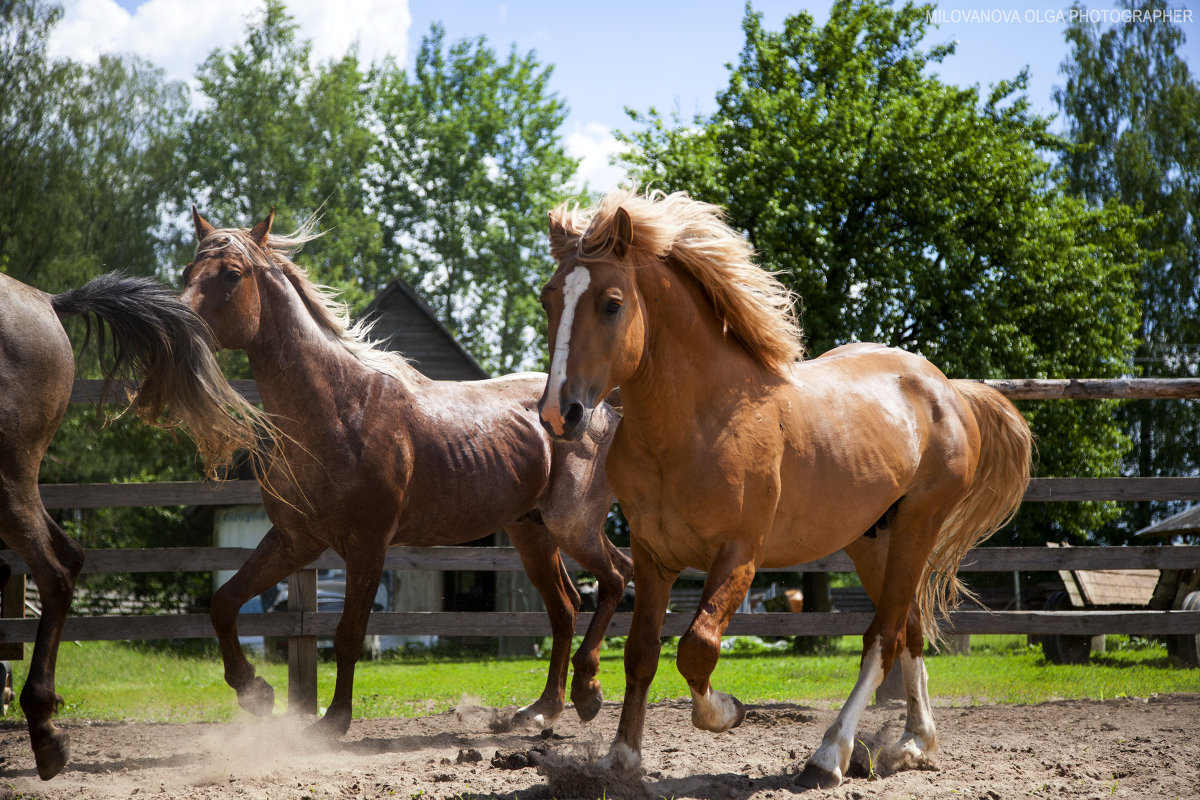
(539, 556)
(277, 556)
(364, 566)
(729, 578)
(653, 585)
(613, 570)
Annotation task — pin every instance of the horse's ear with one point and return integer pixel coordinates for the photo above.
(558, 232)
(260, 231)
(203, 229)
(622, 235)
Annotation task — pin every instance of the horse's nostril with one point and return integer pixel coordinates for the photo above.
(574, 414)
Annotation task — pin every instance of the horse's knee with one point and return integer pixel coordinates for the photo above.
(68, 551)
(224, 606)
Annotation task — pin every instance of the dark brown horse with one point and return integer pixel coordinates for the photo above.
(376, 455)
(156, 337)
(734, 454)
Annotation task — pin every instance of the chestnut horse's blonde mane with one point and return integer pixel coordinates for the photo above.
(327, 310)
(754, 306)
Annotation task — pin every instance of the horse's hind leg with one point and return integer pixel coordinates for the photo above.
(920, 734)
(54, 559)
(539, 556)
(906, 543)
(364, 566)
(728, 581)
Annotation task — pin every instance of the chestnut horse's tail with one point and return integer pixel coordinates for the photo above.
(1005, 455)
(164, 343)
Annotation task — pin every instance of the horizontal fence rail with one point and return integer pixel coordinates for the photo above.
(502, 559)
(298, 623)
(238, 492)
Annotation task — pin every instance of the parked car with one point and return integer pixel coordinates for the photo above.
(331, 598)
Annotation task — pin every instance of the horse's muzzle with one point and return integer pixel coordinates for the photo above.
(567, 425)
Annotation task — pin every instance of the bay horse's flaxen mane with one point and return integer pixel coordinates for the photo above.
(755, 307)
(330, 313)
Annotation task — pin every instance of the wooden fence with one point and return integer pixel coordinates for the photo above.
(302, 623)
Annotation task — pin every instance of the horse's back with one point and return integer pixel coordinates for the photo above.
(868, 425)
(37, 369)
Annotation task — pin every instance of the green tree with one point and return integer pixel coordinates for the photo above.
(277, 131)
(912, 212)
(86, 165)
(85, 156)
(1132, 110)
(470, 161)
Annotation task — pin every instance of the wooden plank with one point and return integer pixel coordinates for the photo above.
(1116, 489)
(1117, 587)
(197, 626)
(981, 559)
(89, 391)
(239, 492)
(302, 649)
(1097, 388)
(1068, 579)
(163, 493)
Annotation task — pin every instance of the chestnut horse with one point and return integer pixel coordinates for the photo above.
(734, 454)
(376, 455)
(156, 337)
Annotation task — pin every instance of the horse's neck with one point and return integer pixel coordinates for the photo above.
(692, 367)
(300, 369)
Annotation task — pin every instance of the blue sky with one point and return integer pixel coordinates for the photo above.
(671, 54)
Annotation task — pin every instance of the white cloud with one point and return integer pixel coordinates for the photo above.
(179, 34)
(595, 145)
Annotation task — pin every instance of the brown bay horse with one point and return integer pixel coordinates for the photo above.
(376, 455)
(734, 454)
(155, 338)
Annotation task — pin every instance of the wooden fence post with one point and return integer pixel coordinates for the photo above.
(302, 650)
(12, 606)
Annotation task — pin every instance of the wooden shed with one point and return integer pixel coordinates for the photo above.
(405, 323)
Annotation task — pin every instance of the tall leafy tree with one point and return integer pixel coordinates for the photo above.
(85, 156)
(1132, 110)
(909, 211)
(86, 167)
(278, 131)
(470, 160)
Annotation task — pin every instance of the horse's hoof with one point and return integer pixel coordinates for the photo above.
(531, 717)
(51, 755)
(622, 758)
(814, 777)
(257, 697)
(740, 711)
(717, 712)
(332, 726)
(587, 703)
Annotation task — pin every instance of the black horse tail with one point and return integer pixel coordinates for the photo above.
(162, 342)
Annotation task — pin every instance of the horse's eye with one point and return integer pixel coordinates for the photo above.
(612, 308)
(232, 277)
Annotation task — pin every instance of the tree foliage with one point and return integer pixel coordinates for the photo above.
(1132, 109)
(908, 211)
(278, 132)
(469, 162)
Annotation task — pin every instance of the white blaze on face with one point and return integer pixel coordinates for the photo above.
(574, 286)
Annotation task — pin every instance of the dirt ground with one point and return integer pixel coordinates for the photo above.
(1125, 748)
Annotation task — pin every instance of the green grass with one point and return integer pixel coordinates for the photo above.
(107, 680)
